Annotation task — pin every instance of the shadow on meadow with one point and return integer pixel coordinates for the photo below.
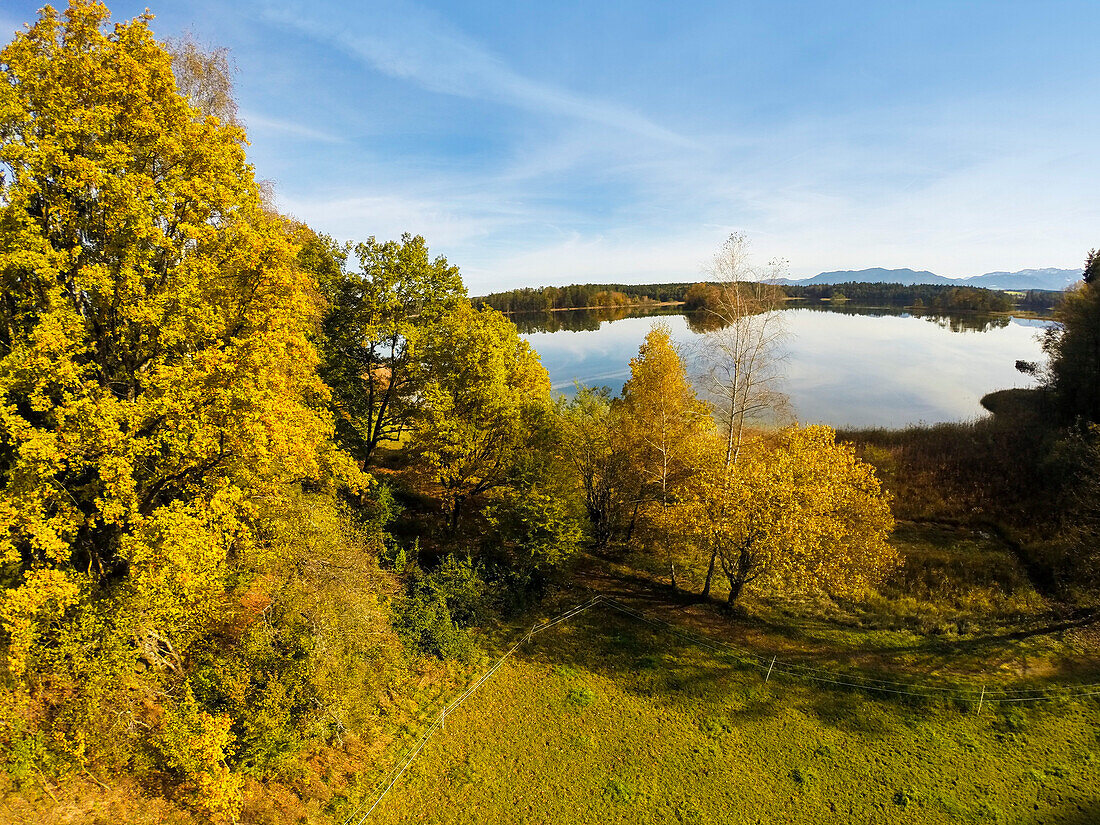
(666, 668)
(1084, 813)
(641, 660)
(962, 610)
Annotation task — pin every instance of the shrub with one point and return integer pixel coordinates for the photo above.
(436, 609)
(618, 790)
(905, 797)
(802, 777)
(580, 697)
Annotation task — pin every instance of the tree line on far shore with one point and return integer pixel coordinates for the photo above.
(697, 296)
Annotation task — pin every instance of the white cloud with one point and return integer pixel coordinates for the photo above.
(594, 192)
(388, 215)
(601, 259)
(257, 121)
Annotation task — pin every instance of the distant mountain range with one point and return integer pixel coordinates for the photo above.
(1052, 279)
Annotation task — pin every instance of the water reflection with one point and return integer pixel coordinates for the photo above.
(953, 321)
(580, 320)
(848, 366)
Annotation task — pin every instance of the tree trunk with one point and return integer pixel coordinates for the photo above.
(633, 520)
(710, 572)
(738, 579)
(736, 585)
(455, 510)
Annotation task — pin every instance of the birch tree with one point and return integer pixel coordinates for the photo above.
(739, 359)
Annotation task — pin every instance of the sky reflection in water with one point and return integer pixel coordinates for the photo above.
(859, 370)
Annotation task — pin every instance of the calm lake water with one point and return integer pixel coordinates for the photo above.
(859, 368)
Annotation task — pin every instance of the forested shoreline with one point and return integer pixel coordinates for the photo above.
(697, 296)
(264, 490)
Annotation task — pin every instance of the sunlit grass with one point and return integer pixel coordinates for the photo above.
(607, 720)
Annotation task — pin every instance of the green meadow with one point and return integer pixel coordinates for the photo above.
(605, 719)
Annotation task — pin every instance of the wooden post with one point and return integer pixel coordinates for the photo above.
(770, 670)
(980, 700)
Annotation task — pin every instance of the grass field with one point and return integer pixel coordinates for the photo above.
(608, 720)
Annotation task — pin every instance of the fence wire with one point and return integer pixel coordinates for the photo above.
(771, 665)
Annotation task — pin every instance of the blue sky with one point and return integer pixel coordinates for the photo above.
(542, 143)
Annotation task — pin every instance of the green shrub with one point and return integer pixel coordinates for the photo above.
(580, 697)
(716, 726)
(688, 814)
(618, 791)
(802, 776)
(1014, 721)
(433, 614)
(904, 797)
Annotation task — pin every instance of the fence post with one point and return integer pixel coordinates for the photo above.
(980, 700)
(770, 670)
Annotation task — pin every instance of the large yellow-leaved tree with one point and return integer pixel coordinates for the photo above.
(157, 387)
(801, 511)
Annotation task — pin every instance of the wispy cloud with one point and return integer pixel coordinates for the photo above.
(574, 187)
(446, 223)
(257, 121)
(410, 43)
(9, 26)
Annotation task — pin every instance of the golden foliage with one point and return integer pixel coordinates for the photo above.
(663, 427)
(803, 511)
(157, 381)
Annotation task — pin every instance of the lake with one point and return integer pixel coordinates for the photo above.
(848, 367)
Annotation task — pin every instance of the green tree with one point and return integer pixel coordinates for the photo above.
(375, 321)
(482, 392)
(1073, 346)
(1092, 267)
(589, 442)
(534, 521)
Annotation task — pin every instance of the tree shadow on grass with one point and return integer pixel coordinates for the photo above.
(650, 662)
(851, 712)
(972, 649)
(1079, 813)
(1085, 617)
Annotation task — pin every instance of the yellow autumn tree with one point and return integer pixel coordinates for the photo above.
(663, 425)
(157, 385)
(801, 511)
